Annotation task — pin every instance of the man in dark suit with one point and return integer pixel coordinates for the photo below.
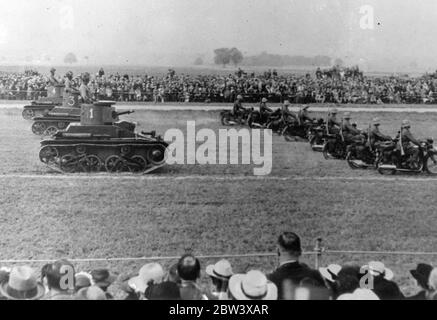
(291, 272)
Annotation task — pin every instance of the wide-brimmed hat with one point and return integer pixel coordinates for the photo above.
(91, 293)
(422, 273)
(377, 268)
(239, 97)
(333, 111)
(264, 100)
(102, 277)
(347, 115)
(148, 272)
(286, 103)
(22, 285)
(82, 280)
(330, 273)
(252, 286)
(221, 270)
(376, 121)
(359, 294)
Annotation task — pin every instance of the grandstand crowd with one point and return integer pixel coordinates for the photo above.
(292, 280)
(335, 85)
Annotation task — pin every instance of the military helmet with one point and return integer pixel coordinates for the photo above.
(264, 100)
(406, 123)
(333, 111)
(239, 97)
(52, 70)
(347, 115)
(69, 74)
(286, 103)
(376, 121)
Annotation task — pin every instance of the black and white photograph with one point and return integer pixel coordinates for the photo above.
(222, 150)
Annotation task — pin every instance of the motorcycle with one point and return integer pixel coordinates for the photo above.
(359, 156)
(316, 136)
(334, 147)
(393, 160)
(228, 118)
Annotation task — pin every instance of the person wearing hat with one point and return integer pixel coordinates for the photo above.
(381, 283)
(238, 109)
(410, 145)
(220, 273)
(82, 280)
(102, 278)
(22, 285)
(422, 275)
(375, 136)
(351, 134)
(253, 285)
(53, 81)
(68, 82)
(333, 124)
(85, 92)
(287, 116)
(150, 273)
(264, 111)
(303, 115)
(60, 280)
(189, 272)
(291, 271)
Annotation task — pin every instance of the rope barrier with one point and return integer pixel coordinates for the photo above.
(222, 256)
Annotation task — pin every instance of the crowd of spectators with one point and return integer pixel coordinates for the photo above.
(292, 280)
(335, 85)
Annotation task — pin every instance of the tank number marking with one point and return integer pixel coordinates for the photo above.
(71, 101)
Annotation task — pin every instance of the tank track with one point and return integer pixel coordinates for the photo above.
(138, 158)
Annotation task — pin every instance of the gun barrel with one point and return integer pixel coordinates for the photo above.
(124, 112)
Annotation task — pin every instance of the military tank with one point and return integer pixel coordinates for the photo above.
(44, 105)
(99, 143)
(59, 117)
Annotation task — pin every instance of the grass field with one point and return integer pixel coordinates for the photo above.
(217, 209)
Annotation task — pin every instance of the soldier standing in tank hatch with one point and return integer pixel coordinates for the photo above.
(69, 83)
(53, 81)
(85, 92)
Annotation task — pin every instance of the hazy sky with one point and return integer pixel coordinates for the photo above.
(174, 31)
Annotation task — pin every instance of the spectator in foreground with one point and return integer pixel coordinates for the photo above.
(383, 286)
(422, 276)
(166, 290)
(57, 276)
(220, 273)
(150, 273)
(82, 280)
(103, 279)
(253, 285)
(91, 293)
(290, 271)
(189, 272)
(433, 285)
(22, 285)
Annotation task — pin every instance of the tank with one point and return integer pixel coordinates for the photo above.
(102, 143)
(42, 106)
(59, 117)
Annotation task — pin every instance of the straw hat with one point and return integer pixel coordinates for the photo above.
(252, 286)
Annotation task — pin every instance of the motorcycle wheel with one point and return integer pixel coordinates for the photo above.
(384, 171)
(430, 168)
(350, 161)
(325, 152)
(288, 137)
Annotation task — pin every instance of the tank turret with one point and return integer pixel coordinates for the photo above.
(55, 97)
(99, 142)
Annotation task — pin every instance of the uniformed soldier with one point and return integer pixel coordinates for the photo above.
(238, 109)
(69, 83)
(264, 111)
(408, 143)
(85, 92)
(53, 81)
(333, 124)
(375, 136)
(287, 116)
(303, 115)
(350, 134)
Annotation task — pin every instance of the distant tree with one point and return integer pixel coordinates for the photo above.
(70, 58)
(236, 56)
(198, 61)
(222, 56)
(338, 62)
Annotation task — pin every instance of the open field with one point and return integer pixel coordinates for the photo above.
(217, 209)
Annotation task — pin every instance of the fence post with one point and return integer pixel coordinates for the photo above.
(319, 250)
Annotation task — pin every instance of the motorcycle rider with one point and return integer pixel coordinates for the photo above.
(375, 136)
(303, 115)
(238, 109)
(408, 143)
(287, 116)
(350, 134)
(264, 111)
(333, 124)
